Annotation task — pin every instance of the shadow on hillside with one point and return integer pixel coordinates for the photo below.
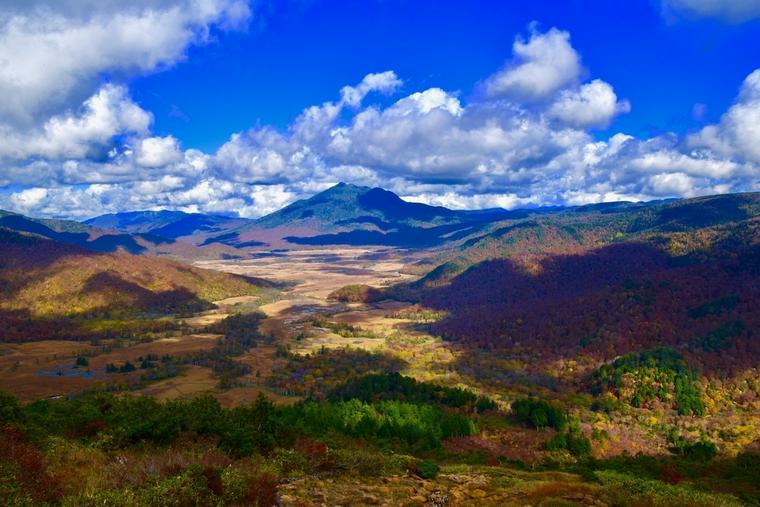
(401, 236)
(123, 294)
(25, 256)
(684, 216)
(20, 326)
(608, 302)
(104, 243)
(21, 253)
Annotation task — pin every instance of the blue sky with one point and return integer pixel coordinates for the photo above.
(300, 54)
(237, 106)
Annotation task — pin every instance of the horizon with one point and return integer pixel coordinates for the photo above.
(306, 198)
(242, 108)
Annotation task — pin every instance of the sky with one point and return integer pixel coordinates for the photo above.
(240, 107)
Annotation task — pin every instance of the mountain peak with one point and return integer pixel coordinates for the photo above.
(342, 188)
(348, 206)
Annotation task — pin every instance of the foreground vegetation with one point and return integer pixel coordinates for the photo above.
(103, 449)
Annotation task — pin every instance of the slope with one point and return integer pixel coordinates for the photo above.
(601, 283)
(167, 224)
(42, 279)
(353, 215)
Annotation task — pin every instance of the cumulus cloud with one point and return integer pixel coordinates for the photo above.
(541, 65)
(53, 52)
(524, 140)
(384, 82)
(104, 115)
(157, 151)
(593, 105)
(456, 200)
(28, 199)
(738, 133)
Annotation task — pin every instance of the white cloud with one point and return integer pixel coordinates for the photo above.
(593, 105)
(541, 66)
(267, 199)
(60, 125)
(104, 115)
(524, 142)
(264, 156)
(157, 151)
(52, 53)
(676, 183)
(427, 101)
(384, 82)
(28, 199)
(738, 133)
(455, 200)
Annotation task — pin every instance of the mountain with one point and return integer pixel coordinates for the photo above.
(194, 227)
(577, 230)
(74, 233)
(594, 283)
(51, 288)
(341, 215)
(354, 215)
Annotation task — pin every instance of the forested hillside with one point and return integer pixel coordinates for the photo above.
(682, 275)
(42, 281)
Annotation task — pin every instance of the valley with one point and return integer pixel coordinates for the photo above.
(580, 355)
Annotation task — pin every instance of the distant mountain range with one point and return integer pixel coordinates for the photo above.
(343, 214)
(74, 233)
(354, 215)
(165, 223)
(638, 271)
(349, 206)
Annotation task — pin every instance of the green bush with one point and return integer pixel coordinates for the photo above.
(415, 427)
(700, 451)
(394, 386)
(539, 414)
(259, 427)
(573, 441)
(11, 410)
(654, 371)
(426, 469)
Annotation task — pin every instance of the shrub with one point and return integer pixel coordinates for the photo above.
(651, 372)
(700, 451)
(10, 409)
(394, 386)
(367, 462)
(426, 469)
(557, 442)
(574, 442)
(262, 490)
(539, 413)
(578, 444)
(24, 479)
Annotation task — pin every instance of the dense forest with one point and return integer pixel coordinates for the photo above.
(617, 299)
